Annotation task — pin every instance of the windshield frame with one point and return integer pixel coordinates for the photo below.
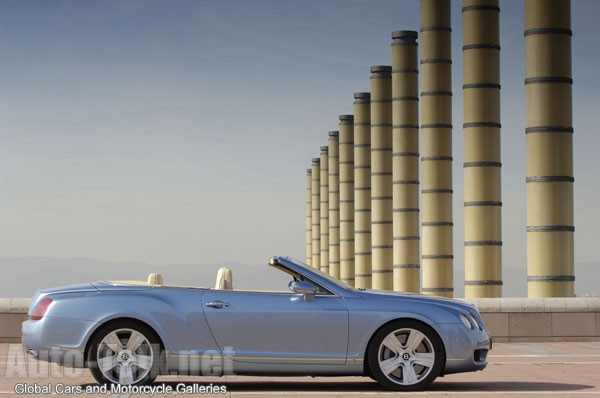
(314, 275)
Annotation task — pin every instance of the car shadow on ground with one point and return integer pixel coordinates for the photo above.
(506, 386)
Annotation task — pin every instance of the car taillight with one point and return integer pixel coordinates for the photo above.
(40, 308)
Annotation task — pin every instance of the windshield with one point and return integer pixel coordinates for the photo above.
(329, 278)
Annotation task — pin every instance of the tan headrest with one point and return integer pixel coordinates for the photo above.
(224, 279)
(155, 280)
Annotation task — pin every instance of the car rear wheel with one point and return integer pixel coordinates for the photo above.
(125, 353)
(406, 356)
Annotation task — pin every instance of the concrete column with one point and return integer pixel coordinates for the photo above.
(405, 161)
(308, 216)
(381, 177)
(481, 107)
(436, 127)
(346, 147)
(324, 266)
(316, 212)
(362, 190)
(334, 204)
(550, 230)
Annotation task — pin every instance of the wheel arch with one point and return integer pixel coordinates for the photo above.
(105, 323)
(366, 365)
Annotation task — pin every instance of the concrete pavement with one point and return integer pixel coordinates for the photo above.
(516, 370)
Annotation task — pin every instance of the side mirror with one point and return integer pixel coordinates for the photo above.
(305, 288)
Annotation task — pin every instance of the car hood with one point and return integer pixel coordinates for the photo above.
(422, 298)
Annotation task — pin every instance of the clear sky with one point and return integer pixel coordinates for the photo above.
(180, 131)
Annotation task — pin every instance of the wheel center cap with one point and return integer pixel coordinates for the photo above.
(406, 356)
(125, 356)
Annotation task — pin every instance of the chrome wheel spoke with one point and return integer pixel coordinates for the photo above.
(414, 340)
(425, 359)
(136, 339)
(143, 361)
(107, 363)
(115, 348)
(408, 374)
(389, 365)
(392, 343)
(113, 342)
(126, 374)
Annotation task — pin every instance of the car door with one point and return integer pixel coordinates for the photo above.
(273, 327)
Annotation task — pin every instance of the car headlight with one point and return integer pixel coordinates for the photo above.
(474, 321)
(466, 321)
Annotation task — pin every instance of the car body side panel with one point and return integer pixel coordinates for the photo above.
(175, 314)
(276, 328)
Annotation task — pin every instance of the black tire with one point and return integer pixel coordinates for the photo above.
(426, 359)
(142, 362)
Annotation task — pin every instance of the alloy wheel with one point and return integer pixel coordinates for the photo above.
(125, 356)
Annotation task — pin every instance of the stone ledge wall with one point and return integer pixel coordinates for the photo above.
(541, 319)
(507, 319)
(13, 311)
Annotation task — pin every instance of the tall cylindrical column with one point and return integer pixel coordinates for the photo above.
(362, 190)
(334, 204)
(346, 148)
(481, 109)
(381, 177)
(316, 212)
(324, 210)
(436, 127)
(405, 158)
(550, 230)
(308, 216)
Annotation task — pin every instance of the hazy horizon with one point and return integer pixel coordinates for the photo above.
(32, 273)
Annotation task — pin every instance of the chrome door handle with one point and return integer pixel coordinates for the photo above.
(217, 304)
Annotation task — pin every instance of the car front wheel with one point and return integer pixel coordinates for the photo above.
(406, 356)
(124, 353)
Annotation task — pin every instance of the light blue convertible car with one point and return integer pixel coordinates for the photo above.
(130, 332)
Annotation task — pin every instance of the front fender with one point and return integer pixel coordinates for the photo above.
(368, 316)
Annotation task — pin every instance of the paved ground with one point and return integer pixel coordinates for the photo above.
(515, 370)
